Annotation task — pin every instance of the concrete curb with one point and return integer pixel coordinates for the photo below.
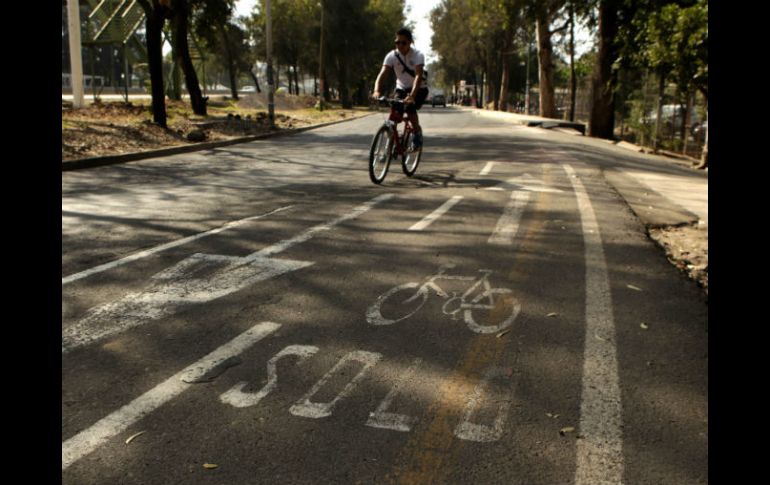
(652, 208)
(93, 162)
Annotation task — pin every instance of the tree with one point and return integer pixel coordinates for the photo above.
(156, 13)
(602, 123)
(544, 13)
(224, 38)
(180, 16)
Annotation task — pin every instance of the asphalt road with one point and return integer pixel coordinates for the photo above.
(263, 313)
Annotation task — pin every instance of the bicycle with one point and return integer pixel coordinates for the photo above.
(415, 295)
(389, 143)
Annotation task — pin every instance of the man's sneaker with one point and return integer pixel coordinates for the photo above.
(417, 140)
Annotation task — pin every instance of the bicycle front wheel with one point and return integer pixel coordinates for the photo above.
(380, 155)
(411, 158)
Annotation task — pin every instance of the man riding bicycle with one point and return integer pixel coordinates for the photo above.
(411, 84)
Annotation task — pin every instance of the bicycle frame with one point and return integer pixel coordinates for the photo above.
(430, 283)
(396, 117)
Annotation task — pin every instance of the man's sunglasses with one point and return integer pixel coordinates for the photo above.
(402, 42)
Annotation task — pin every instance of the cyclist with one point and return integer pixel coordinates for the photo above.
(411, 82)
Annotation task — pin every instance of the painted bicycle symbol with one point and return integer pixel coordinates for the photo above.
(478, 300)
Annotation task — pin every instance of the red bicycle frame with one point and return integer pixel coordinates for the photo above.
(397, 117)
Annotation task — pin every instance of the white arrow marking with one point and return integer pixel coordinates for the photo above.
(163, 247)
(197, 279)
(89, 439)
(508, 224)
(526, 182)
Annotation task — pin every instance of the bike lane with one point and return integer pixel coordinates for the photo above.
(418, 401)
(374, 250)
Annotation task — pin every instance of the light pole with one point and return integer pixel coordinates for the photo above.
(526, 93)
(270, 86)
(76, 59)
(321, 63)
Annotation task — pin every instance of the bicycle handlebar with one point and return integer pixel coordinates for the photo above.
(386, 101)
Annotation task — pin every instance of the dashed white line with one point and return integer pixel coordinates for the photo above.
(487, 168)
(600, 451)
(430, 218)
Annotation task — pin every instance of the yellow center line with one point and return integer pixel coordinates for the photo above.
(430, 453)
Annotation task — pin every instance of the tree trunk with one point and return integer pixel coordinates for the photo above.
(572, 74)
(502, 103)
(545, 69)
(659, 116)
(154, 25)
(704, 159)
(232, 72)
(256, 81)
(175, 89)
(182, 52)
(602, 122)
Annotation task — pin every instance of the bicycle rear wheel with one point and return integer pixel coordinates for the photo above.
(411, 158)
(380, 155)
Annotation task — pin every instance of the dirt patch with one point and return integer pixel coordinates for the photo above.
(114, 128)
(687, 249)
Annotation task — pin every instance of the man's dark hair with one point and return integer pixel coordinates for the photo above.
(406, 33)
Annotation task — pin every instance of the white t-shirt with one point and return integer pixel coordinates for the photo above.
(413, 58)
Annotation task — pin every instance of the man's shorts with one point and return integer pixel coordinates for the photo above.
(419, 100)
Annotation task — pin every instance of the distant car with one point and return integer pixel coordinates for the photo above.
(248, 89)
(438, 99)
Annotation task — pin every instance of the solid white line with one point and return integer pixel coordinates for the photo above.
(428, 220)
(163, 247)
(88, 440)
(487, 168)
(600, 451)
(508, 224)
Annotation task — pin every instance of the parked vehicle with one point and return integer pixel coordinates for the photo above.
(438, 99)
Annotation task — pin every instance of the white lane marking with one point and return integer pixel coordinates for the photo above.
(480, 432)
(283, 245)
(600, 451)
(308, 409)
(526, 182)
(239, 399)
(508, 223)
(397, 422)
(163, 247)
(487, 168)
(430, 218)
(196, 279)
(88, 440)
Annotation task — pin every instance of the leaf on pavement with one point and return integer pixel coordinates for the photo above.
(552, 314)
(131, 438)
(634, 287)
(568, 429)
(644, 326)
(503, 333)
(209, 466)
